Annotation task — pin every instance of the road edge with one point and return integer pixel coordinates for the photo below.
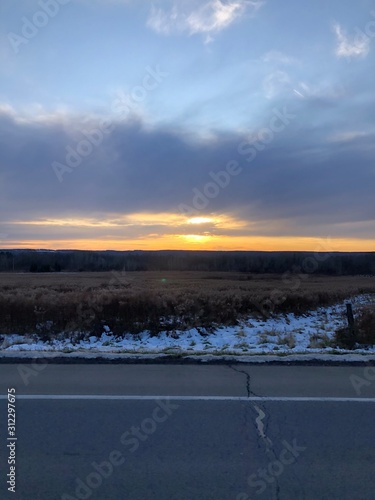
(177, 358)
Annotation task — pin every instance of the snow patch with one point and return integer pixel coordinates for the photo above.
(281, 334)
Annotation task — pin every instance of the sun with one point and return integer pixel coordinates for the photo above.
(200, 220)
(196, 238)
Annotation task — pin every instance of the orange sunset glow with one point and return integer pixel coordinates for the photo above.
(199, 124)
(147, 231)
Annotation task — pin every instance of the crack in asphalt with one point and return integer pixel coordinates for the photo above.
(261, 423)
(248, 381)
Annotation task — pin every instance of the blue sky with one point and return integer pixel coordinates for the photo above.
(182, 84)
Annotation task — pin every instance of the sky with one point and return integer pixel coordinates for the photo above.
(187, 124)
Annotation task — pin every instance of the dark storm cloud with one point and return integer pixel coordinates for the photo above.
(308, 174)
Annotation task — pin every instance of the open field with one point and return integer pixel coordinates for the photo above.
(160, 301)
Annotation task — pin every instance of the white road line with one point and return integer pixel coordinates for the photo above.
(189, 398)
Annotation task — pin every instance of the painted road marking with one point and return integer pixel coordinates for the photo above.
(190, 398)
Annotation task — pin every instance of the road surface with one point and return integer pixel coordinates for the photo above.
(184, 432)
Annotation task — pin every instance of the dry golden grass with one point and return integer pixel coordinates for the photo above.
(364, 333)
(156, 301)
(366, 325)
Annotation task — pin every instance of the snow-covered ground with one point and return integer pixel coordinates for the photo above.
(309, 333)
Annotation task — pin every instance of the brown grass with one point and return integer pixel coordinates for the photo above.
(364, 330)
(366, 326)
(157, 301)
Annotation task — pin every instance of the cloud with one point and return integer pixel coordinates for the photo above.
(348, 136)
(322, 91)
(274, 56)
(276, 83)
(302, 183)
(207, 19)
(350, 47)
(214, 16)
(166, 23)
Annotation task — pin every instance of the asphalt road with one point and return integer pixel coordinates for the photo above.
(225, 432)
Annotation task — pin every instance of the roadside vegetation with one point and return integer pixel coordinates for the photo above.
(71, 303)
(364, 331)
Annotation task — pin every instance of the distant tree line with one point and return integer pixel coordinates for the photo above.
(41, 261)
